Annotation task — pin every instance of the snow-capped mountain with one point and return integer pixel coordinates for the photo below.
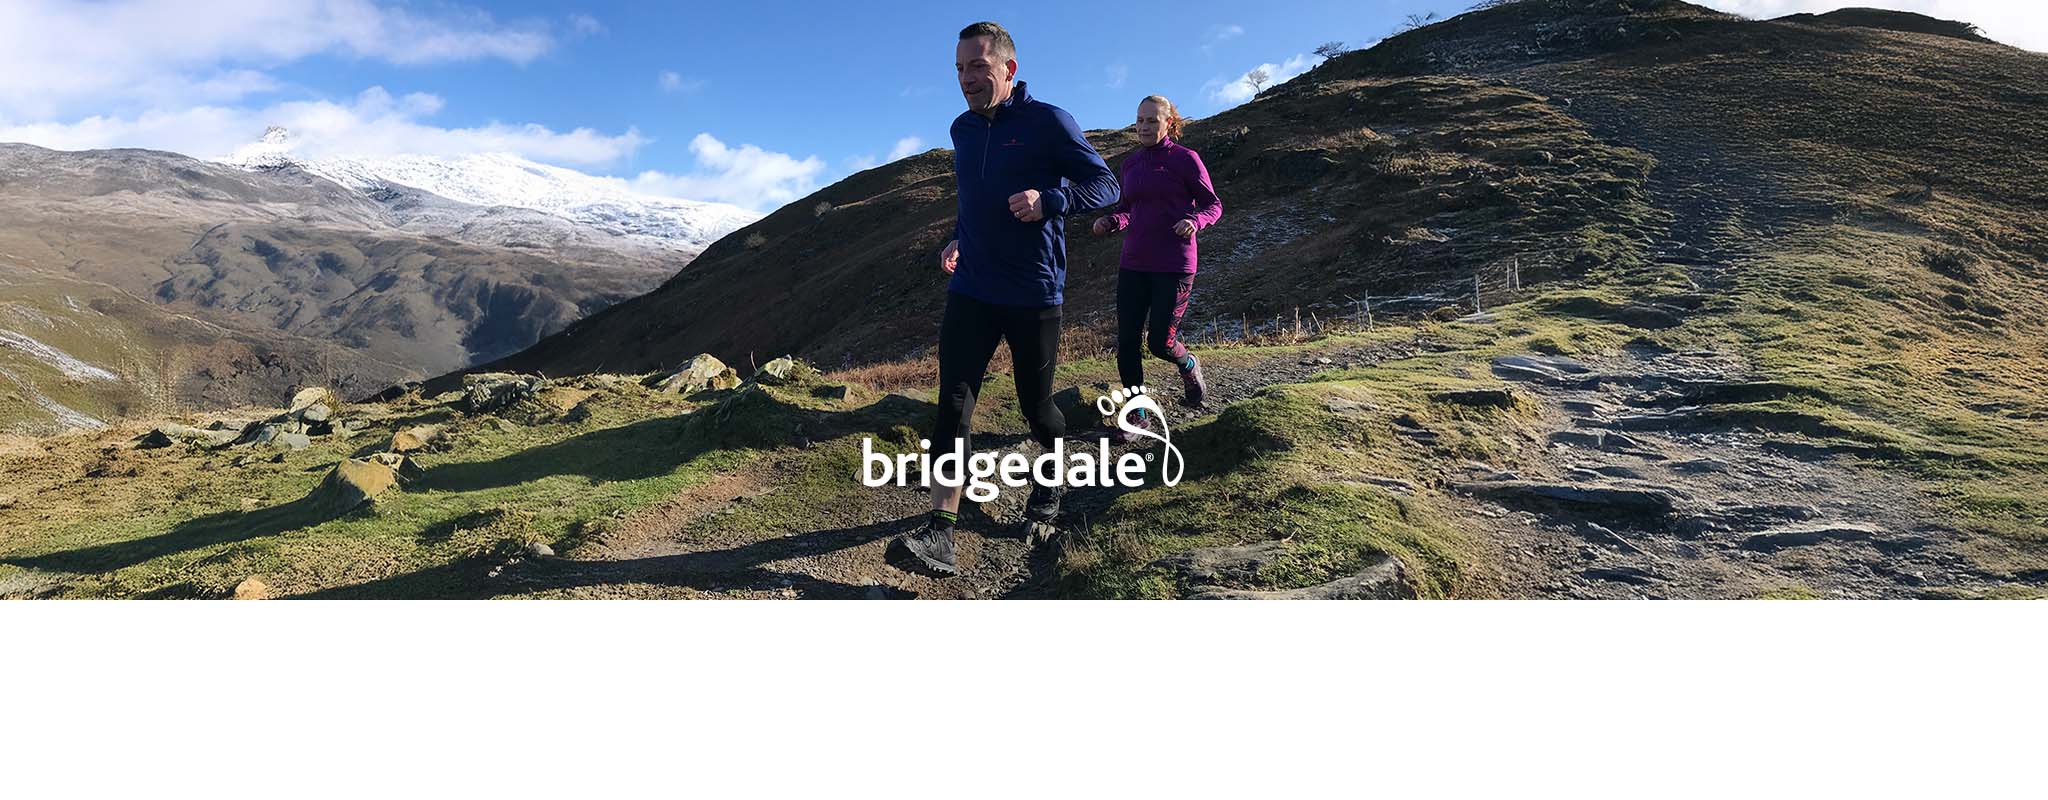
(506, 180)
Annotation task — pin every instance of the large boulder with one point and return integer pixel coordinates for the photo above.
(352, 484)
(171, 433)
(397, 392)
(416, 438)
(703, 372)
(311, 414)
(317, 395)
(401, 465)
(284, 432)
(492, 391)
(785, 370)
(316, 413)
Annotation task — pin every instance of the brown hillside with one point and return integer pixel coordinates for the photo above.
(1399, 188)
(1526, 131)
(285, 278)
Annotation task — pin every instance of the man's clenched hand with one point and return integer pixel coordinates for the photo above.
(1027, 205)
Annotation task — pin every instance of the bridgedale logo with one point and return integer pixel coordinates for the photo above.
(980, 473)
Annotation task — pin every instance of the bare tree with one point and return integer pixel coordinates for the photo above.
(1257, 79)
(1330, 50)
(1417, 20)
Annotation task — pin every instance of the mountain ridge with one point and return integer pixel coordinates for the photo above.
(316, 282)
(505, 179)
(1665, 304)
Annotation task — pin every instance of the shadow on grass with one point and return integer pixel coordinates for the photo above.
(740, 567)
(206, 531)
(636, 451)
(639, 450)
(743, 419)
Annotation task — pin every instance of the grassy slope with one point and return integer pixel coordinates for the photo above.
(1909, 315)
(172, 523)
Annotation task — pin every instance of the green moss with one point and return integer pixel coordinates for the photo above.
(1290, 464)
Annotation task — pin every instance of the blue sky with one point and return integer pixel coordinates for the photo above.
(754, 103)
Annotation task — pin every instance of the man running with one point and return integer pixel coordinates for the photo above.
(1023, 167)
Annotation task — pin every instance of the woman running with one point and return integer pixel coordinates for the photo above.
(1167, 199)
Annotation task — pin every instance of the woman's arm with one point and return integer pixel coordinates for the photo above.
(1122, 218)
(1208, 207)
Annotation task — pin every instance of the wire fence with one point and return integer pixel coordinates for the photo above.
(1486, 286)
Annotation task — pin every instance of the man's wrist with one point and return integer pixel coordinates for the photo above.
(1052, 203)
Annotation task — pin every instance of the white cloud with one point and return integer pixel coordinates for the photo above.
(374, 124)
(675, 83)
(167, 75)
(745, 176)
(1118, 73)
(2021, 24)
(1219, 34)
(59, 57)
(1227, 92)
(585, 25)
(906, 146)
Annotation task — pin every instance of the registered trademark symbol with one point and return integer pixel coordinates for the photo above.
(1148, 456)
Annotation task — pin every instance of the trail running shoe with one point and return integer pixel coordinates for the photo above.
(1192, 388)
(931, 551)
(1117, 435)
(1044, 504)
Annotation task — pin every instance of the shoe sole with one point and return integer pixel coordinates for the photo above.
(1039, 533)
(920, 563)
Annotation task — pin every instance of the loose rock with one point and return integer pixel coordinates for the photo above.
(1797, 537)
(416, 438)
(171, 433)
(1642, 498)
(252, 589)
(352, 484)
(318, 395)
(702, 372)
(1382, 580)
(785, 370)
(491, 391)
(1540, 369)
(1214, 565)
(1478, 398)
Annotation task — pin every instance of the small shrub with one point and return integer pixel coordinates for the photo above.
(1951, 261)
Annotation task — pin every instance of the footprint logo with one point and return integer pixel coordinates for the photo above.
(1119, 405)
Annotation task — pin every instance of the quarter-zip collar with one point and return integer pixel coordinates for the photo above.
(1019, 95)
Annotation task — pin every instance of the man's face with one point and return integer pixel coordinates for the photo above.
(984, 74)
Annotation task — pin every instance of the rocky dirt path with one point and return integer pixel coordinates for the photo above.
(1637, 494)
(674, 550)
(1644, 491)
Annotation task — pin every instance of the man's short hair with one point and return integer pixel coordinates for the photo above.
(999, 39)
